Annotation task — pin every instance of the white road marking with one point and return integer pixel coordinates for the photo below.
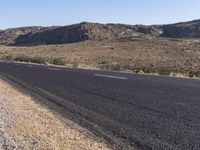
(108, 76)
(54, 69)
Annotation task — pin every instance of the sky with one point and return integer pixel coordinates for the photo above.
(17, 13)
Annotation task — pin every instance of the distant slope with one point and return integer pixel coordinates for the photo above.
(182, 30)
(86, 31)
(57, 35)
(82, 32)
(94, 31)
(9, 35)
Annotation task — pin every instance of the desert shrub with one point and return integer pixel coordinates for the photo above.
(194, 74)
(112, 48)
(103, 62)
(164, 70)
(59, 61)
(39, 60)
(146, 69)
(139, 71)
(115, 67)
(75, 64)
(8, 57)
(23, 59)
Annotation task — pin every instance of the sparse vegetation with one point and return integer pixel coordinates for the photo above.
(75, 64)
(164, 70)
(59, 61)
(8, 57)
(23, 58)
(157, 55)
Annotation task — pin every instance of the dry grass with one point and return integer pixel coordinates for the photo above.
(159, 55)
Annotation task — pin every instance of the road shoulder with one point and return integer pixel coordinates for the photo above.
(25, 124)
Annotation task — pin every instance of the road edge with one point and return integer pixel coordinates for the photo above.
(46, 100)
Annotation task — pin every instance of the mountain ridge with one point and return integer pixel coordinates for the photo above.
(38, 35)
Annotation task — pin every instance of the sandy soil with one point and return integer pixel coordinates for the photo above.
(157, 55)
(24, 124)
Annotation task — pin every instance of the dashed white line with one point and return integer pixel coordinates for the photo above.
(109, 76)
(54, 69)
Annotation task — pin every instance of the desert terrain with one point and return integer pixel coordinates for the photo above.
(172, 49)
(177, 57)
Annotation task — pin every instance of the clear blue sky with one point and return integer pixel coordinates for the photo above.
(15, 13)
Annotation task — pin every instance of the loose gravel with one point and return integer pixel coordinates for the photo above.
(25, 124)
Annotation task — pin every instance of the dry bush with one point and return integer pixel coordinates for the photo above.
(75, 64)
(7, 57)
(39, 60)
(59, 61)
(159, 55)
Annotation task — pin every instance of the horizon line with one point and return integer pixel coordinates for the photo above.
(62, 25)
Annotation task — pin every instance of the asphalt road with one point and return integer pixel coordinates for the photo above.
(134, 111)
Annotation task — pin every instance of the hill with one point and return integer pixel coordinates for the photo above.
(94, 31)
(182, 30)
(83, 32)
(8, 36)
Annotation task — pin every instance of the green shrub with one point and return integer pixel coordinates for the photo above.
(59, 61)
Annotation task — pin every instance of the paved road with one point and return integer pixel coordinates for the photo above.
(141, 112)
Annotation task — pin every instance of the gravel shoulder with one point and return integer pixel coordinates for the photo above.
(25, 124)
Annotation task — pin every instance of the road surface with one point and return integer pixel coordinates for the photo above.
(132, 111)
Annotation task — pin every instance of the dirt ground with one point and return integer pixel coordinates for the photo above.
(157, 55)
(24, 124)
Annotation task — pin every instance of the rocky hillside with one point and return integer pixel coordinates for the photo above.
(94, 31)
(182, 30)
(83, 32)
(8, 36)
